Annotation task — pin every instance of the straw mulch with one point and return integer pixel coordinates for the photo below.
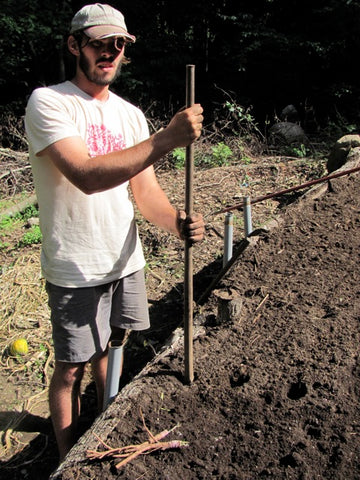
(24, 313)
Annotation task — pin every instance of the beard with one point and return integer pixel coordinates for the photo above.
(94, 77)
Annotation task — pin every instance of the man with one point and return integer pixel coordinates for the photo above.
(86, 146)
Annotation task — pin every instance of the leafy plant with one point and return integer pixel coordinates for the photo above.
(4, 246)
(31, 237)
(30, 212)
(298, 151)
(221, 154)
(178, 155)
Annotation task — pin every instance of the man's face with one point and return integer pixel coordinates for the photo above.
(100, 60)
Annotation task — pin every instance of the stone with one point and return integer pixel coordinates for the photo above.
(287, 133)
(341, 150)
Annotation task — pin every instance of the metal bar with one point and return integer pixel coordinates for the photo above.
(291, 189)
(113, 373)
(228, 237)
(188, 280)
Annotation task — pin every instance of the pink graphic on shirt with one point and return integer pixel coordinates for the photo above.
(101, 140)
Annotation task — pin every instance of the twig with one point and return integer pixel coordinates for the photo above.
(45, 376)
(130, 452)
(262, 302)
(161, 280)
(13, 170)
(208, 185)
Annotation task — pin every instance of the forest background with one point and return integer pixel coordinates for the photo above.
(252, 56)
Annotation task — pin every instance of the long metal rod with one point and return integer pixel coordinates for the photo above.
(288, 190)
(188, 280)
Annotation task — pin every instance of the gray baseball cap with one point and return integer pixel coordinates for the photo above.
(100, 21)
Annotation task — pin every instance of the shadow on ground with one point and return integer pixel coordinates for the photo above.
(39, 458)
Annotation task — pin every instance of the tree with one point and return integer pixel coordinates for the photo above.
(264, 53)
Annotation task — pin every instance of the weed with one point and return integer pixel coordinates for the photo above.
(30, 212)
(31, 237)
(178, 155)
(245, 181)
(4, 245)
(221, 154)
(300, 151)
(7, 223)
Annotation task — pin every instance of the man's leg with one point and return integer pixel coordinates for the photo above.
(99, 368)
(64, 400)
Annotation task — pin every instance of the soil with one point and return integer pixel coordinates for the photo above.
(276, 358)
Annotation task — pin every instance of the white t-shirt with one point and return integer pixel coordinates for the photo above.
(88, 240)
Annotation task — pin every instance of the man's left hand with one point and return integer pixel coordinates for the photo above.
(191, 227)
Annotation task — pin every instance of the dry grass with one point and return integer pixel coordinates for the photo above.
(23, 313)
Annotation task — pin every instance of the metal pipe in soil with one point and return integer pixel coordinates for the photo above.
(113, 373)
(228, 237)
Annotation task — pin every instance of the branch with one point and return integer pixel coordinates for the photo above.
(130, 452)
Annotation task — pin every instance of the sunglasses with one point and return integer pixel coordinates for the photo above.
(116, 43)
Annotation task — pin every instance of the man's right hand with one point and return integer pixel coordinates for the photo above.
(185, 127)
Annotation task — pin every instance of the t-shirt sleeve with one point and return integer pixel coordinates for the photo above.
(143, 128)
(47, 119)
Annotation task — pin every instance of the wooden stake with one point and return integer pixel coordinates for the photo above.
(188, 280)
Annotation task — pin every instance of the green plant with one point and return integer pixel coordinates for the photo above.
(8, 224)
(300, 151)
(221, 154)
(178, 155)
(239, 112)
(30, 212)
(9, 221)
(32, 236)
(245, 181)
(4, 245)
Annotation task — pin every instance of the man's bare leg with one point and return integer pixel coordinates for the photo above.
(99, 368)
(64, 400)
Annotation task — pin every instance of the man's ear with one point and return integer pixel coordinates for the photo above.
(73, 45)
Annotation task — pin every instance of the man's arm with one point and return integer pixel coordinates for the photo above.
(154, 205)
(96, 174)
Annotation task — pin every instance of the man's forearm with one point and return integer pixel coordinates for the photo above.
(113, 169)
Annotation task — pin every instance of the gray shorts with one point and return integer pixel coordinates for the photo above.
(82, 317)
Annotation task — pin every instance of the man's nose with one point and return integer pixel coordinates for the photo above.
(109, 48)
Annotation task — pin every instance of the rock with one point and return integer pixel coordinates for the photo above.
(32, 221)
(287, 133)
(340, 151)
(290, 114)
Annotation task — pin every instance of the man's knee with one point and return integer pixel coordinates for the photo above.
(69, 373)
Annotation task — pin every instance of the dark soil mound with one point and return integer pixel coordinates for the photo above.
(276, 389)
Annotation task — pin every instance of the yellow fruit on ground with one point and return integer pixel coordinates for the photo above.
(19, 347)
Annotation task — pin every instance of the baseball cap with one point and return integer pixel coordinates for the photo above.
(100, 21)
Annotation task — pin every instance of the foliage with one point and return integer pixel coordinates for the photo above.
(300, 151)
(221, 154)
(11, 225)
(267, 54)
(178, 155)
(32, 236)
(30, 211)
